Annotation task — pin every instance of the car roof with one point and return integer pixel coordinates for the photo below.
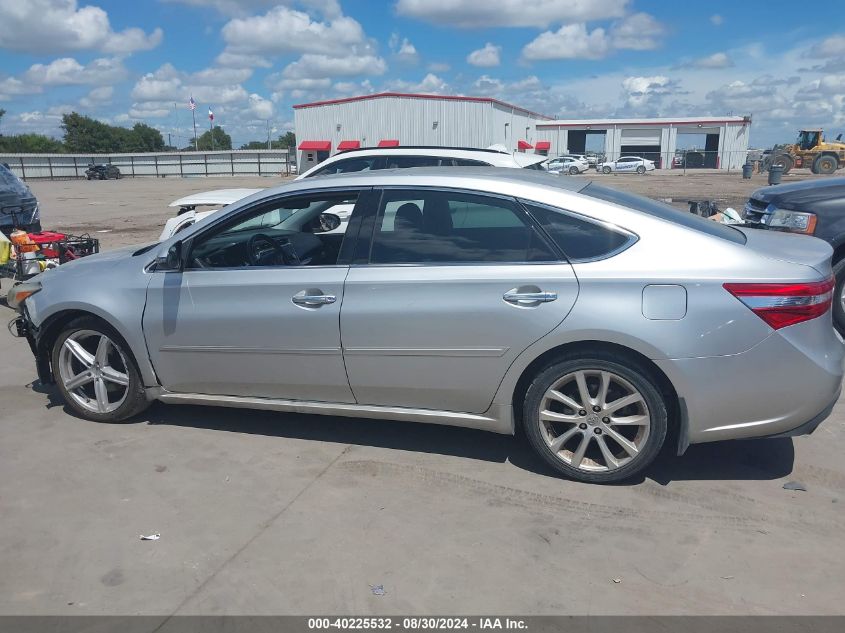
(495, 157)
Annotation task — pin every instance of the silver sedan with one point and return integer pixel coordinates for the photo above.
(600, 323)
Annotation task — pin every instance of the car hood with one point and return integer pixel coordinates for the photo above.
(800, 194)
(788, 247)
(218, 196)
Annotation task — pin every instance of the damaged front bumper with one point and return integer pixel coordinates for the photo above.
(22, 327)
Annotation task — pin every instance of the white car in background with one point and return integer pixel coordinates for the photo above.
(572, 165)
(626, 164)
(366, 159)
(208, 201)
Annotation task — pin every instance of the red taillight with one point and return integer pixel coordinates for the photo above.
(781, 305)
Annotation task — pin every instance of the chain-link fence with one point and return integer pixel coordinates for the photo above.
(158, 165)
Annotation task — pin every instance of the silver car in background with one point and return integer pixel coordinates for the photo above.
(599, 322)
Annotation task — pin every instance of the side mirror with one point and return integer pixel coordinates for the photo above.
(329, 222)
(171, 260)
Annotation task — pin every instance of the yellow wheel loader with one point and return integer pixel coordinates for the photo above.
(810, 150)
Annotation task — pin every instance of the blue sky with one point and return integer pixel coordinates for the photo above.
(250, 60)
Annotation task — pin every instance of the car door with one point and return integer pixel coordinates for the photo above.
(265, 324)
(454, 286)
(625, 164)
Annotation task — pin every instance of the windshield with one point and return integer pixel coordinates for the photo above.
(665, 212)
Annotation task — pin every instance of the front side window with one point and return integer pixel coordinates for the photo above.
(404, 162)
(423, 226)
(302, 231)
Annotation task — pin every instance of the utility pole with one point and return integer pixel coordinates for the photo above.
(268, 134)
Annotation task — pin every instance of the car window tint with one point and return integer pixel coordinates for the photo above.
(466, 162)
(403, 162)
(449, 227)
(664, 212)
(349, 165)
(577, 237)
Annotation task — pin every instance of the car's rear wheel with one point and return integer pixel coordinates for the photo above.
(573, 171)
(605, 170)
(641, 169)
(96, 373)
(595, 419)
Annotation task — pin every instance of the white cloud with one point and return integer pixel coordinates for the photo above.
(328, 8)
(485, 57)
(66, 71)
(510, 13)
(640, 91)
(716, 60)
(833, 46)
(439, 67)
(12, 87)
(403, 50)
(284, 30)
(228, 59)
(97, 97)
(260, 107)
(311, 66)
(430, 84)
(639, 32)
(572, 41)
(716, 19)
(49, 26)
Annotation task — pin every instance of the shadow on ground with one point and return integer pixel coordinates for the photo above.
(737, 460)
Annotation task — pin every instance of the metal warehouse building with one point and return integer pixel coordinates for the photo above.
(721, 143)
(395, 119)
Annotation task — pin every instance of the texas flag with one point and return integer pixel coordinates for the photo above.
(210, 115)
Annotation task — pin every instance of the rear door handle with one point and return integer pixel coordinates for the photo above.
(310, 299)
(529, 298)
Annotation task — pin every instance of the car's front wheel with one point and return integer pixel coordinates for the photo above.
(605, 170)
(641, 170)
(96, 373)
(595, 419)
(573, 171)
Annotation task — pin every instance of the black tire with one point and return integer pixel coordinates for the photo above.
(605, 170)
(825, 164)
(573, 171)
(785, 161)
(135, 399)
(838, 308)
(87, 176)
(640, 170)
(630, 370)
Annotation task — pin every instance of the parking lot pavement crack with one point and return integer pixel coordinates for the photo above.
(261, 529)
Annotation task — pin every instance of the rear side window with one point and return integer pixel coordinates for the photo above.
(466, 162)
(578, 238)
(664, 212)
(419, 226)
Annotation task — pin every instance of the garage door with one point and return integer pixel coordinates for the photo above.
(641, 137)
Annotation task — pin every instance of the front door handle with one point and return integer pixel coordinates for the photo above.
(312, 298)
(529, 298)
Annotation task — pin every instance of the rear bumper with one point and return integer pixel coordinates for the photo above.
(784, 386)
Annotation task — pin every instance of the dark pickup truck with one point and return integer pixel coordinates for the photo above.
(810, 207)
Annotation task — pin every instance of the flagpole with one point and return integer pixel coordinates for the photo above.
(194, 115)
(211, 127)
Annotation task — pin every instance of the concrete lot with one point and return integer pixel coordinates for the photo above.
(273, 514)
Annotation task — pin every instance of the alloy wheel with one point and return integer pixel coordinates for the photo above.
(594, 420)
(94, 371)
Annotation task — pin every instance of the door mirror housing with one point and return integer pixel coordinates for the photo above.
(171, 259)
(329, 222)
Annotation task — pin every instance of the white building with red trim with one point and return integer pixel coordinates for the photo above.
(393, 119)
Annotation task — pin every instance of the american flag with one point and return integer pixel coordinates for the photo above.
(192, 105)
(210, 115)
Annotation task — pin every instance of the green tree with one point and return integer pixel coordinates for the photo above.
(288, 139)
(256, 145)
(221, 140)
(2, 112)
(30, 144)
(143, 138)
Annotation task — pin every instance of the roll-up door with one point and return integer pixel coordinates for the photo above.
(647, 136)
